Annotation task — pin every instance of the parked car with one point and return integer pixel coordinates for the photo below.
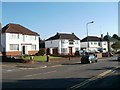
(111, 53)
(89, 59)
(79, 52)
(118, 58)
(94, 51)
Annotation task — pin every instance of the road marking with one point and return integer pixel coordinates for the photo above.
(92, 79)
(40, 73)
(9, 70)
(56, 65)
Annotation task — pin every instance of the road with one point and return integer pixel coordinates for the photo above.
(68, 75)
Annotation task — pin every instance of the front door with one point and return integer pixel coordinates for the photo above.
(23, 49)
(48, 51)
(70, 50)
(55, 51)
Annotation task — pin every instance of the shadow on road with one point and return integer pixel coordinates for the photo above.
(104, 68)
(111, 81)
(113, 60)
(71, 63)
(43, 83)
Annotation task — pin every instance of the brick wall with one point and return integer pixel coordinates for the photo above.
(65, 59)
(105, 54)
(99, 55)
(13, 53)
(32, 52)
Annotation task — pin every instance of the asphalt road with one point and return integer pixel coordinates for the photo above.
(67, 75)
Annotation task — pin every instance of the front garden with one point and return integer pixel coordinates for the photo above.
(39, 58)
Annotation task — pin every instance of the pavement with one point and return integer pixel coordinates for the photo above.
(41, 64)
(36, 64)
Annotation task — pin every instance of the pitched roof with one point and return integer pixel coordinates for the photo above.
(16, 28)
(91, 38)
(64, 36)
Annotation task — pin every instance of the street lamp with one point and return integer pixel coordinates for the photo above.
(87, 33)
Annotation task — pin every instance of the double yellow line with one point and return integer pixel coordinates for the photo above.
(92, 79)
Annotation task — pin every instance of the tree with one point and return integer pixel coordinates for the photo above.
(116, 46)
(116, 36)
(41, 43)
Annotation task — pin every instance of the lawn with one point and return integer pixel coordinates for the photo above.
(41, 58)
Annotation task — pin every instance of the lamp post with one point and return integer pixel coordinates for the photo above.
(87, 33)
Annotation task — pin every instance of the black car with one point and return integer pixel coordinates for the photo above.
(89, 59)
(118, 58)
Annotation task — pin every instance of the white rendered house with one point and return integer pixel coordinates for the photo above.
(18, 40)
(93, 43)
(62, 44)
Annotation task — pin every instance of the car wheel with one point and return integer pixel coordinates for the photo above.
(95, 60)
(82, 62)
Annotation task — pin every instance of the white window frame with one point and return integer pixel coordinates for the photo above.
(63, 41)
(14, 36)
(14, 48)
(76, 42)
(64, 50)
(31, 37)
(33, 48)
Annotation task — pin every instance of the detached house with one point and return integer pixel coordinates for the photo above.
(18, 40)
(62, 44)
(93, 43)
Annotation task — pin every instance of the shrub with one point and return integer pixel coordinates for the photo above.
(26, 55)
(40, 53)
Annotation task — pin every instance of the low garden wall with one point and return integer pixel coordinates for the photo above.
(105, 55)
(99, 55)
(65, 59)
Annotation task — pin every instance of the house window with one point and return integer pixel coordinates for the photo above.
(95, 43)
(31, 37)
(64, 50)
(14, 47)
(76, 49)
(76, 42)
(104, 43)
(63, 41)
(14, 36)
(33, 47)
(99, 44)
(71, 42)
(23, 37)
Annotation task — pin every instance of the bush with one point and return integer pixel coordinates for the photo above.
(40, 53)
(26, 55)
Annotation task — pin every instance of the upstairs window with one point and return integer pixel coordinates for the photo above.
(14, 36)
(99, 44)
(104, 43)
(63, 41)
(71, 42)
(95, 43)
(31, 37)
(76, 42)
(91, 43)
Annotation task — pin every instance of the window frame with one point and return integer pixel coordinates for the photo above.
(34, 48)
(13, 47)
